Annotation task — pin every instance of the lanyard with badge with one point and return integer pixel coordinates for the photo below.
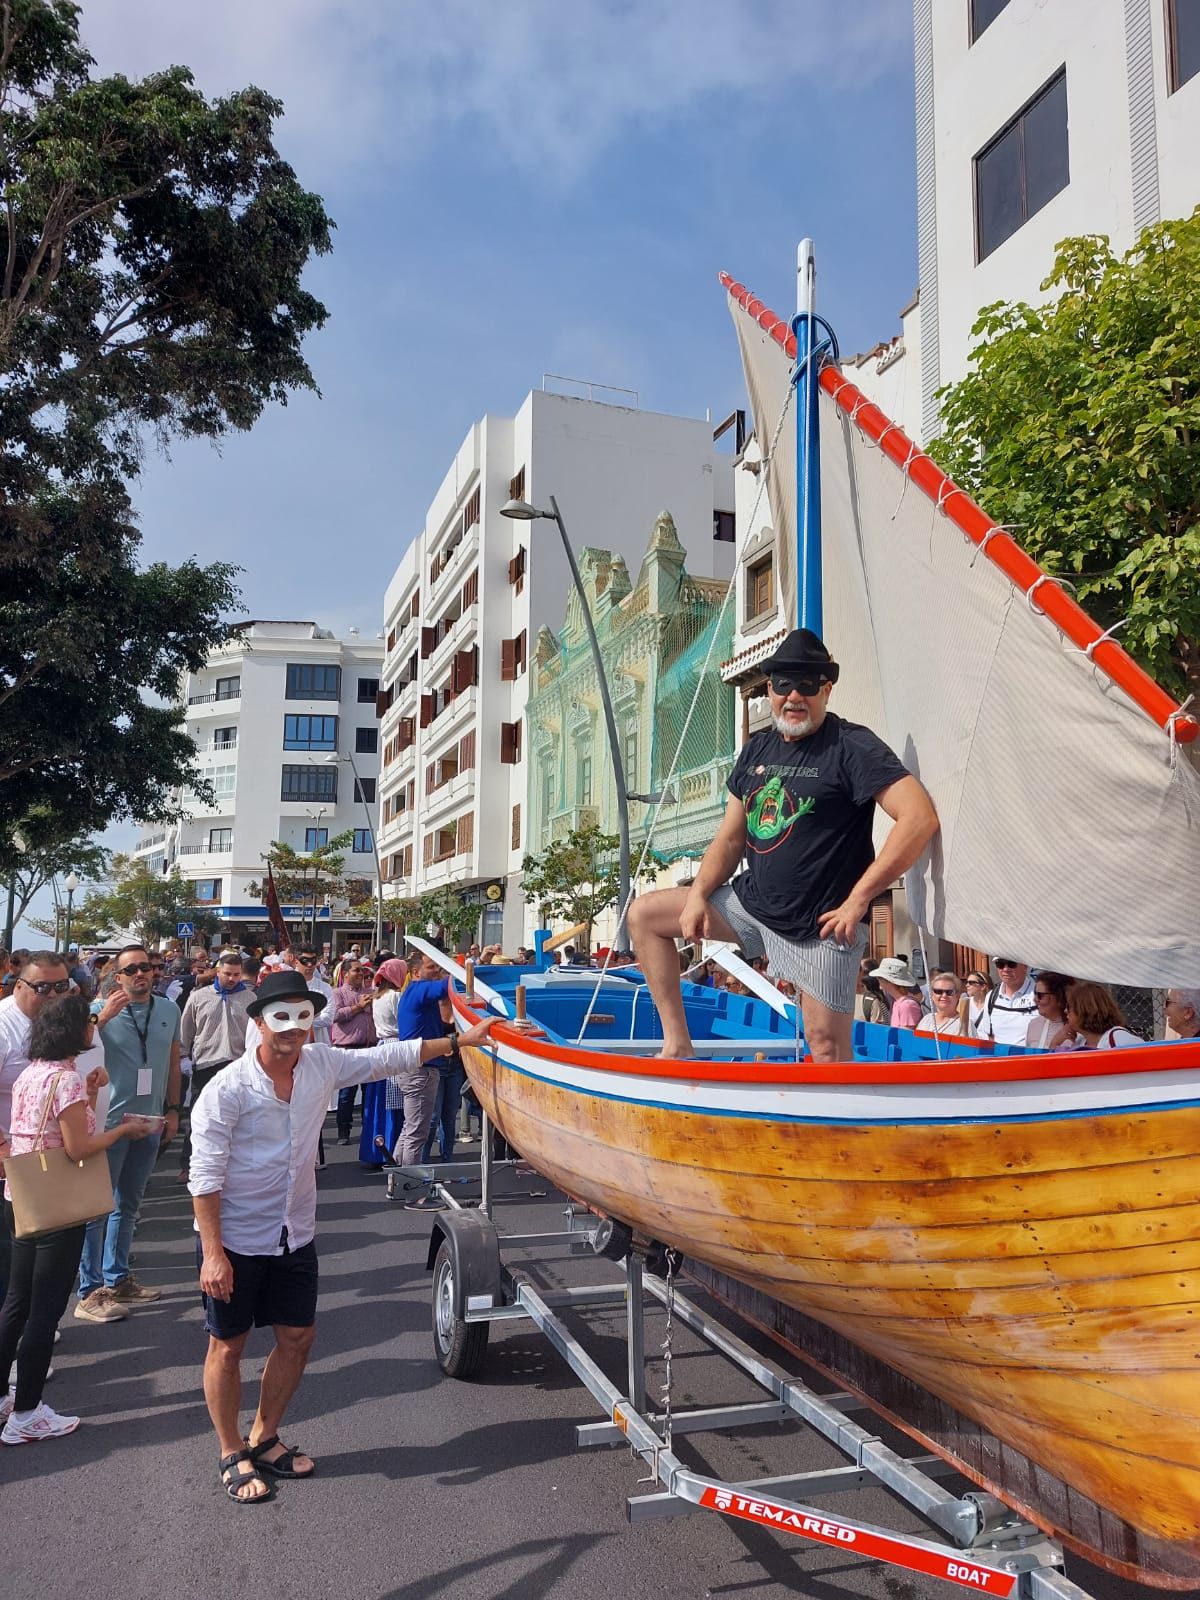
(145, 1077)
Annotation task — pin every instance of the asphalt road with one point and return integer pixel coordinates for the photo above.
(426, 1486)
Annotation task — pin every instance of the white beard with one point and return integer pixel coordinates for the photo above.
(790, 728)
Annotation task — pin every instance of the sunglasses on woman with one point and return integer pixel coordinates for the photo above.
(942, 993)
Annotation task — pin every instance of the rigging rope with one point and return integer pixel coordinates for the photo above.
(665, 786)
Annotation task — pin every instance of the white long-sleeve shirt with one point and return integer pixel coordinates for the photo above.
(259, 1152)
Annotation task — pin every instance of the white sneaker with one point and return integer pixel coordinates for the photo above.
(42, 1423)
(6, 1404)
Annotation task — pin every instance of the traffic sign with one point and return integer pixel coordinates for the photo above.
(185, 930)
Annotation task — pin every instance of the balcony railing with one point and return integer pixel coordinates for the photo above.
(207, 699)
(205, 849)
(223, 744)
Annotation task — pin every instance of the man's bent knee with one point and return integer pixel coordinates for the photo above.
(295, 1341)
(657, 912)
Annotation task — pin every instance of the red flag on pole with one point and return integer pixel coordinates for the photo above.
(275, 915)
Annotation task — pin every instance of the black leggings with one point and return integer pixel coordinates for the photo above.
(41, 1278)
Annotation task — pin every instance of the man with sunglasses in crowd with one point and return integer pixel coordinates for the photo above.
(1011, 1006)
(42, 974)
(139, 1031)
(801, 812)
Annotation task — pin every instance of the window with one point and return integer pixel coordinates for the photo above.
(516, 567)
(516, 827)
(983, 14)
(362, 842)
(208, 890)
(1022, 169)
(223, 780)
(229, 688)
(629, 755)
(516, 486)
(760, 588)
(309, 782)
(310, 733)
(512, 658)
(510, 742)
(547, 792)
(316, 838)
(1183, 41)
(220, 838)
(305, 682)
(368, 688)
(366, 741)
(723, 527)
(224, 739)
(584, 794)
(364, 791)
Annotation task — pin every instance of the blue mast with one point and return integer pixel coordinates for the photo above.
(808, 445)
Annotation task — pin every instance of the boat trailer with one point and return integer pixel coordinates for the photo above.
(979, 1542)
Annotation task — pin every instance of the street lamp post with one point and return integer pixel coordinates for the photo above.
(522, 511)
(333, 761)
(70, 884)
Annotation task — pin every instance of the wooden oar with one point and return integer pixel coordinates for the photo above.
(452, 968)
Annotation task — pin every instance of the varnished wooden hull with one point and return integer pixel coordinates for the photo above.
(1040, 1275)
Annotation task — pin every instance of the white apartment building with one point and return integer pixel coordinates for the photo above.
(274, 713)
(1038, 120)
(465, 606)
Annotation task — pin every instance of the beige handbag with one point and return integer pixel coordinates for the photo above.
(49, 1191)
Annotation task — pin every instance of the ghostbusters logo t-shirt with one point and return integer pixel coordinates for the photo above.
(810, 807)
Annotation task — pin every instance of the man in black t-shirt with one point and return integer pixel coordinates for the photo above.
(801, 808)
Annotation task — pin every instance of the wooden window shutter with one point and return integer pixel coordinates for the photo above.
(516, 827)
(429, 641)
(517, 725)
(381, 702)
(471, 514)
(508, 660)
(519, 643)
(516, 567)
(415, 609)
(508, 742)
(470, 591)
(426, 710)
(466, 832)
(430, 773)
(391, 642)
(516, 485)
(427, 849)
(412, 791)
(466, 751)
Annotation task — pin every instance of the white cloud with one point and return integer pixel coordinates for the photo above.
(545, 84)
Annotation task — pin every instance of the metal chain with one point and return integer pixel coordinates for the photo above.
(667, 1347)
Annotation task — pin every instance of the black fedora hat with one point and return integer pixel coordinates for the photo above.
(283, 986)
(802, 651)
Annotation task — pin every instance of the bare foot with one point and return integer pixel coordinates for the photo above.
(675, 1049)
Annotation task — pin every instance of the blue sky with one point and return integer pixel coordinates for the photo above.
(520, 187)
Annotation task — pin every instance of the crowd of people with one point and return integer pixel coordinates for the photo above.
(102, 1057)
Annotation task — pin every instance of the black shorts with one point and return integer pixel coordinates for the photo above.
(266, 1290)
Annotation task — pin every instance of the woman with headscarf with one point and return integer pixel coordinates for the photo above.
(383, 1103)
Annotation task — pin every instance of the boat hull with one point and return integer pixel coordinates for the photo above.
(1039, 1275)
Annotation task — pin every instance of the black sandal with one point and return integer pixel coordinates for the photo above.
(232, 1485)
(281, 1467)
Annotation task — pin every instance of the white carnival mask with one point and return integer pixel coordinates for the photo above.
(283, 1015)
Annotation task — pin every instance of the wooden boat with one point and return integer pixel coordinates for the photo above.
(1025, 1246)
(1016, 1235)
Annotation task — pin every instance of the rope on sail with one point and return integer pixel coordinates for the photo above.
(715, 633)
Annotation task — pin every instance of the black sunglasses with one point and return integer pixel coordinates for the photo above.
(137, 966)
(1007, 963)
(47, 985)
(945, 991)
(805, 686)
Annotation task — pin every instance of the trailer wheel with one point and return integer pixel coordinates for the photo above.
(460, 1346)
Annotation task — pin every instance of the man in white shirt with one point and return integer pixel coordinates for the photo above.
(1011, 1006)
(253, 1186)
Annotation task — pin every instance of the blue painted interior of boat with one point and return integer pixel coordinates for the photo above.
(559, 1000)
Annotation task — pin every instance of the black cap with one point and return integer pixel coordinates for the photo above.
(802, 651)
(283, 986)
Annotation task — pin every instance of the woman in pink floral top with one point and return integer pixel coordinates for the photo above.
(43, 1270)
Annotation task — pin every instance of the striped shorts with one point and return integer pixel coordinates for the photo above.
(818, 967)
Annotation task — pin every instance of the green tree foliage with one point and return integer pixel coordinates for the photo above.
(303, 877)
(151, 250)
(1078, 425)
(577, 877)
(446, 910)
(48, 855)
(147, 902)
